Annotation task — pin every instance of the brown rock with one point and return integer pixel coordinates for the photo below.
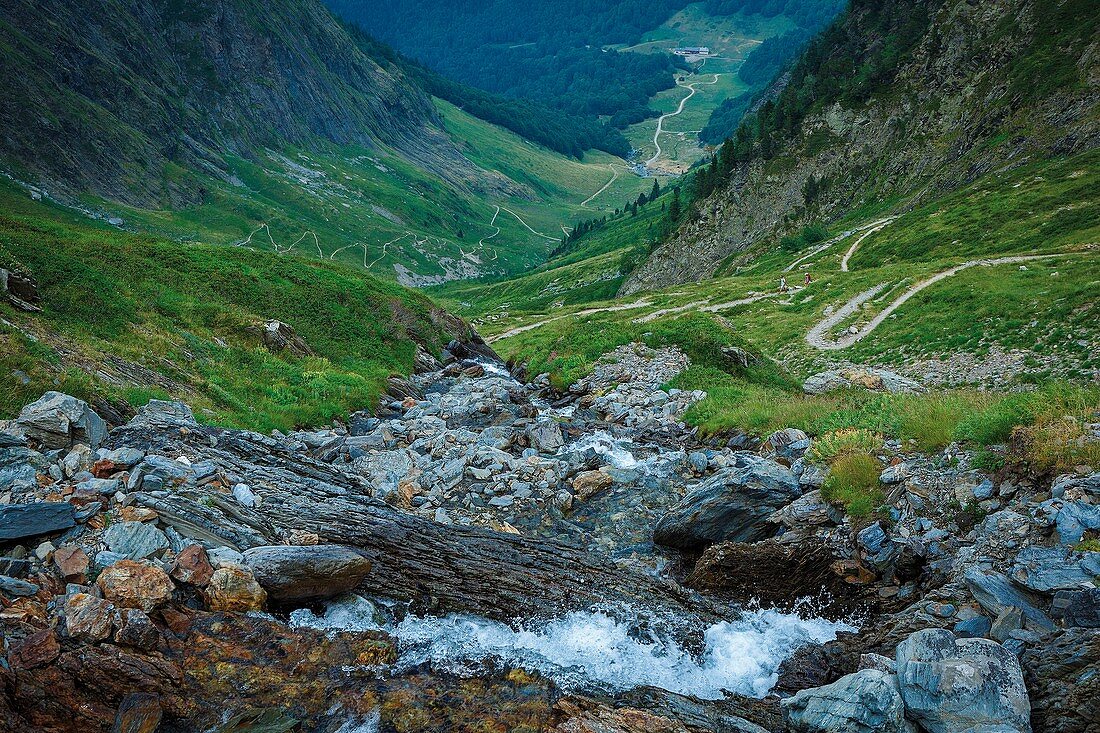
(140, 712)
(72, 561)
(36, 650)
(192, 566)
(132, 584)
(234, 589)
(87, 617)
(138, 514)
(589, 483)
(106, 469)
(136, 629)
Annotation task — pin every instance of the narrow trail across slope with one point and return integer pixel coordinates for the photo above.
(817, 336)
(855, 245)
(528, 226)
(588, 312)
(661, 120)
(614, 175)
(876, 225)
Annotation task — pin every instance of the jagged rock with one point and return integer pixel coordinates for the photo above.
(952, 686)
(995, 592)
(133, 584)
(868, 378)
(306, 573)
(191, 566)
(1063, 677)
(894, 474)
(16, 587)
(19, 465)
(789, 444)
(732, 505)
(234, 589)
(87, 617)
(140, 712)
(545, 436)
(776, 574)
(135, 540)
(278, 336)
(23, 521)
(72, 562)
(808, 510)
(866, 701)
(57, 420)
(21, 290)
(1047, 569)
(587, 484)
(1083, 609)
(36, 650)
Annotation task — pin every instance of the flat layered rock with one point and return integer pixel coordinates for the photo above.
(308, 573)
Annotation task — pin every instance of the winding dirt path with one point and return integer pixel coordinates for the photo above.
(876, 225)
(818, 338)
(661, 120)
(588, 312)
(855, 245)
(528, 226)
(614, 176)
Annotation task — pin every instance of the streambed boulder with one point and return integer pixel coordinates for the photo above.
(306, 573)
(956, 686)
(733, 505)
(865, 702)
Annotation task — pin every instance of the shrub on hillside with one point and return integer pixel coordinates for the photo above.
(853, 484)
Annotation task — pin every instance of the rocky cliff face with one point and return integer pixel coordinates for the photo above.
(120, 98)
(986, 86)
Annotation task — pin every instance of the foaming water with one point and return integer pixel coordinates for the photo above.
(614, 450)
(584, 650)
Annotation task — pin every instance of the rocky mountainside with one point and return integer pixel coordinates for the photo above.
(125, 99)
(896, 103)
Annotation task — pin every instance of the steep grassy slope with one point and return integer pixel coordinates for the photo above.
(897, 102)
(126, 318)
(1043, 310)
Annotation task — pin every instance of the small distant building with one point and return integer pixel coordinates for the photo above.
(692, 51)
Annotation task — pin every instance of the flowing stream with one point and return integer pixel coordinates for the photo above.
(594, 650)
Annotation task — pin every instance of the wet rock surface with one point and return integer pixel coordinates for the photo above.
(138, 568)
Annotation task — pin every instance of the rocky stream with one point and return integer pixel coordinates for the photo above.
(484, 553)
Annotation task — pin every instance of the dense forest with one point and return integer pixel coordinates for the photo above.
(552, 53)
(769, 58)
(568, 134)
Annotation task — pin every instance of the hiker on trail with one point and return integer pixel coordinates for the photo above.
(783, 284)
(808, 279)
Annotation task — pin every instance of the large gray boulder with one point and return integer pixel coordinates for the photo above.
(868, 701)
(19, 465)
(23, 521)
(57, 420)
(292, 574)
(733, 505)
(545, 436)
(1049, 569)
(961, 685)
(996, 593)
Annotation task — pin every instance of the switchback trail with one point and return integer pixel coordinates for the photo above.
(528, 226)
(614, 175)
(661, 120)
(879, 226)
(875, 225)
(817, 337)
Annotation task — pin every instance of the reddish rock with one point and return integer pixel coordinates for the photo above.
(140, 712)
(36, 650)
(106, 469)
(138, 514)
(234, 589)
(132, 584)
(88, 618)
(192, 566)
(72, 561)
